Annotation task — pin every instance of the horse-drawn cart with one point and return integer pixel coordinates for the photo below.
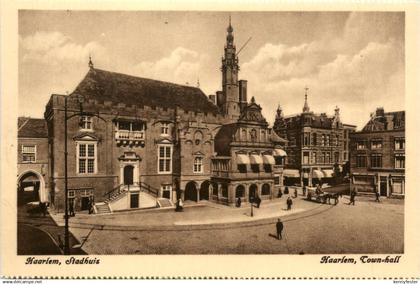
(321, 196)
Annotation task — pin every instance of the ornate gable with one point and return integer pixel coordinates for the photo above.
(252, 114)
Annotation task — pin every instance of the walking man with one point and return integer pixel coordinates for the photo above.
(352, 197)
(304, 190)
(289, 203)
(279, 227)
(377, 196)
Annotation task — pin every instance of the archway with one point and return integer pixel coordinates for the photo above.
(240, 191)
(265, 190)
(204, 190)
(128, 174)
(253, 190)
(31, 188)
(191, 191)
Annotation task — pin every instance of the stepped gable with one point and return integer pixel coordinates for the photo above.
(251, 114)
(32, 127)
(103, 86)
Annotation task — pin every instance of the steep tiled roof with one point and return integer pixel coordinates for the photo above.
(120, 88)
(32, 127)
(315, 120)
(387, 121)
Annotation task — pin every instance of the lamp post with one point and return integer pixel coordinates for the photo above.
(66, 190)
(252, 206)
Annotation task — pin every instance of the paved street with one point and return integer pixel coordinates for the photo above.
(311, 228)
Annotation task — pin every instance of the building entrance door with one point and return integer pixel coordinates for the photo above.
(84, 203)
(252, 192)
(383, 187)
(134, 200)
(128, 175)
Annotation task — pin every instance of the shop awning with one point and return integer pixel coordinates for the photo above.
(280, 153)
(256, 159)
(328, 173)
(291, 173)
(269, 160)
(317, 174)
(243, 159)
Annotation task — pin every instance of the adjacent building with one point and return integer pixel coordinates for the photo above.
(32, 161)
(135, 142)
(378, 155)
(317, 143)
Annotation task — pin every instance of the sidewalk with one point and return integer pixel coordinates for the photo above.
(207, 213)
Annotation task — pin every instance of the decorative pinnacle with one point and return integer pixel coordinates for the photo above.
(90, 62)
(305, 106)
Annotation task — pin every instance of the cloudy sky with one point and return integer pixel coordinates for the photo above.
(352, 60)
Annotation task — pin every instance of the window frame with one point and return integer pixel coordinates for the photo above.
(196, 165)
(87, 157)
(402, 161)
(358, 159)
(34, 153)
(164, 128)
(400, 140)
(85, 120)
(159, 158)
(376, 161)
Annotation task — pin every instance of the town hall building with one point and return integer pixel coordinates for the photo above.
(140, 143)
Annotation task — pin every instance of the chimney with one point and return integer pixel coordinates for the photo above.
(242, 91)
(220, 98)
(380, 111)
(212, 98)
(389, 123)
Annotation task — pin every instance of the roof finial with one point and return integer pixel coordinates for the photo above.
(198, 82)
(90, 62)
(305, 106)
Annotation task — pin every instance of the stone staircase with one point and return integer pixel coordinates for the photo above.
(165, 203)
(102, 208)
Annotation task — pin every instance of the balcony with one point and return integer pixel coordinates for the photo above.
(129, 138)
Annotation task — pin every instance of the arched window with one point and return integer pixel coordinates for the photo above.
(240, 191)
(253, 135)
(265, 189)
(243, 136)
(198, 136)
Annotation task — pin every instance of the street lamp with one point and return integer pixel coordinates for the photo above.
(252, 206)
(66, 190)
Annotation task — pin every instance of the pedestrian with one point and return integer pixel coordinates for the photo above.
(377, 196)
(91, 205)
(279, 227)
(238, 202)
(352, 197)
(296, 193)
(289, 203)
(286, 190)
(280, 194)
(304, 190)
(71, 208)
(179, 205)
(43, 208)
(258, 201)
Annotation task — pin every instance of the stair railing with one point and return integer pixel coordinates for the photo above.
(115, 190)
(150, 189)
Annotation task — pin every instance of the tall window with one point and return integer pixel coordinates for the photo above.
(164, 129)
(328, 158)
(336, 157)
(327, 142)
(376, 161)
(198, 164)
(399, 143)
(313, 157)
(323, 158)
(28, 153)
(337, 140)
(376, 144)
(305, 158)
(86, 158)
(165, 159)
(86, 122)
(322, 140)
(306, 139)
(314, 142)
(361, 161)
(399, 161)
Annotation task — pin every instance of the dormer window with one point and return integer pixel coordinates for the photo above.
(164, 129)
(86, 122)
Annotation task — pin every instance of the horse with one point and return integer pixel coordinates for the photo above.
(328, 196)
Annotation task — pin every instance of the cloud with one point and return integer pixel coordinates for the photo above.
(349, 70)
(55, 48)
(180, 66)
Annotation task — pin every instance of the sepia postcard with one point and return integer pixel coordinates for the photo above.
(176, 140)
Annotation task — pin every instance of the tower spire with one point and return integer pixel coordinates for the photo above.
(306, 106)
